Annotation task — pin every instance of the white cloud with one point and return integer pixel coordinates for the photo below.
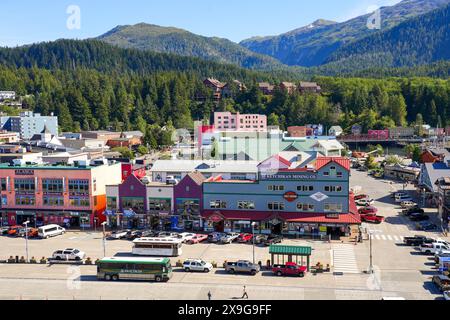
(365, 7)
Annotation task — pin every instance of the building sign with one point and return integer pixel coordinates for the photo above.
(287, 176)
(332, 216)
(216, 218)
(24, 172)
(319, 196)
(290, 196)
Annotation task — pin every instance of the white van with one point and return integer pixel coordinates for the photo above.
(51, 230)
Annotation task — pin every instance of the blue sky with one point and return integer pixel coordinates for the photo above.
(28, 21)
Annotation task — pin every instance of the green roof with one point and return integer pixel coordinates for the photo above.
(290, 250)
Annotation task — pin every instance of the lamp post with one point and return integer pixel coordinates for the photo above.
(26, 237)
(253, 240)
(104, 239)
(371, 256)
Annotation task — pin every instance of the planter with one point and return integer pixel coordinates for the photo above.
(214, 264)
(33, 260)
(88, 261)
(43, 261)
(179, 264)
(11, 260)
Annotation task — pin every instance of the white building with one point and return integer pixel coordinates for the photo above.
(7, 95)
(229, 170)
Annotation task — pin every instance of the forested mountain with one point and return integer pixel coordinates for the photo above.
(417, 41)
(313, 45)
(181, 42)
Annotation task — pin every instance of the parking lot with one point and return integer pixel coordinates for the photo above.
(400, 271)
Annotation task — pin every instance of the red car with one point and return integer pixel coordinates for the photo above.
(372, 218)
(368, 210)
(361, 196)
(289, 269)
(197, 238)
(245, 237)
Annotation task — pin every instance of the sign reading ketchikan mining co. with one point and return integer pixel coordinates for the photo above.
(287, 176)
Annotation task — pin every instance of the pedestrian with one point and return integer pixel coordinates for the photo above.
(245, 295)
(209, 295)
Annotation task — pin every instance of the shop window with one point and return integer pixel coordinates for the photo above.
(79, 201)
(24, 185)
(4, 184)
(333, 188)
(275, 188)
(159, 205)
(79, 186)
(246, 205)
(111, 203)
(275, 206)
(136, 204)
(4, 200)
(52, 185)
(25, 200)
(305, 188)
(339, 174)
(217, 204)
(305, 207)
(333, 207)
(53, 201)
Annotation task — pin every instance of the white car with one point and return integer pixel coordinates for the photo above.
(168, 235)
(408, 204)
(433, 248)
(69, 254)
(117, 235)
(197, 265)
(229, 238)
(447, 295)
(186, 236)
(403, 198)
(364, 202)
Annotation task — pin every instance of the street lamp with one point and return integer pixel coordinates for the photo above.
(371, 257)
(104, 239)
(253, 239)
(26, 237)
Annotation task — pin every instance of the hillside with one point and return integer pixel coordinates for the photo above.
(313, 45)
(420, 40)
(181, 42)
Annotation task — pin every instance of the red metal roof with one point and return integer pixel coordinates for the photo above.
(323, 161)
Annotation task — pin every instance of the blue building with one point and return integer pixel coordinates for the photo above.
(28, 124)
(301, 194)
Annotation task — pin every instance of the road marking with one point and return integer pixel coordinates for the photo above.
(377, 237)
(396, 238)
(390, 238)
(383, 237)
(344, 259)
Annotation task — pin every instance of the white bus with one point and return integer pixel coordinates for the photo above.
(157, 247)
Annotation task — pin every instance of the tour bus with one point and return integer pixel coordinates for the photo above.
(158, 247)
(132, 268)
(51, 230)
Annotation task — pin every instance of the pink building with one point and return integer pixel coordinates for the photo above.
(226, 121)
(64, 195)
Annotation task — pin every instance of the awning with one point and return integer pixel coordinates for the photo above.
(129, 213)
(238, 215)
(342, 218)
(290, 250)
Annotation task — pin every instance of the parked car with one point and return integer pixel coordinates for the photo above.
(245, 238)
(118, 235)
(417, 240)
(260, 238)
(198, 238)
(361, 196)
(372, 218)
(51, 230)
(33, 232)
(398, 194)
(197, 265)
(166, 234)
(419, 217)
(229, 238)
(69, 254)
(364, 202)
(447, 295)
(136, 234)
(441, 254)
(14, 230)
(272, 239)
(403, 198)
(4, 230)
(289, 269)
(442, 282)
(433, 248)
(368, 210)
(186, 236)
(242, 266)
(410, 211)
(408, 204)
(426, 226)
(215, 237)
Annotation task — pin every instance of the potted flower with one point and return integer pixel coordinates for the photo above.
(88, 261)
(43, 260)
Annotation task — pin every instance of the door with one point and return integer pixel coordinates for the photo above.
(277, 228)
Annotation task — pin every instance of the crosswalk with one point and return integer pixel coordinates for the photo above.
(382, 237)
(344, 259)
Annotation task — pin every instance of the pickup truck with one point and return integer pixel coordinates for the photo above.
(433, 248)
(372, 218)
(242, 266)
(289, 269)
(417, 240)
